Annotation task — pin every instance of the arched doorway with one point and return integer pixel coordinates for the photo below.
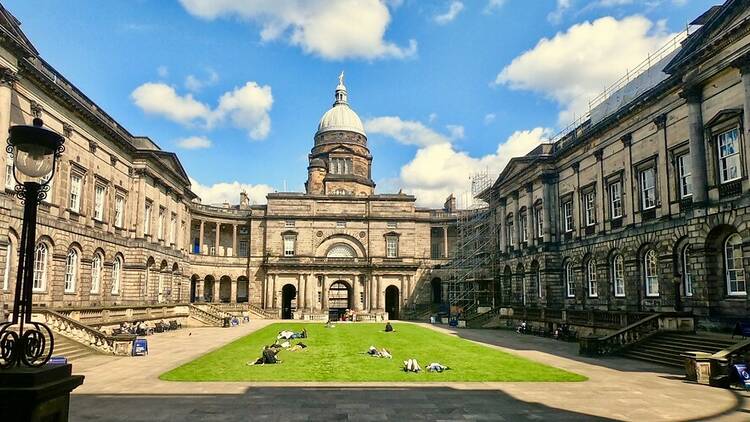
(339, 299)
(392, 302)
(225, 289)
(193, 288)
(208, 288)
(437, 290)
(243, 289)
(288, 301)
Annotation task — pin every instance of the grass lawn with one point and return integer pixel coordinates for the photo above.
(337, 354)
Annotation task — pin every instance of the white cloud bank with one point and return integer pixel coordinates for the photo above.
(454, 8)
(194, 142)
(246, 107)
(330, 29)
(574, 66)
(223, 192)
(439, 168)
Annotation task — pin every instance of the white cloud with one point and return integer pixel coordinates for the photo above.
(194, 83)
(454, 9)
(329, 29)
(161, 99)
(489, 118)
(574, 66)
(246, 107)
(456, 131)
(229, 192)
(432, 117)
(407, 132)
(162, 71)
(440, 169)
(493, 5)
(194, 142)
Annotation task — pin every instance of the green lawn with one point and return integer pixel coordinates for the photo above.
(337, 354)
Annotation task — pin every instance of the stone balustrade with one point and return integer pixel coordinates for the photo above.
(120, 345)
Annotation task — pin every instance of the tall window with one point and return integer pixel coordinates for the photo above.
(10, 182)
(147, 218)
(523, 221)
(9, 255)
(729, 155)
(538, 281)
(71, 271)
(509, 231)
(648, 189)
(99, 202)
(116, 275)
(687, 279)
(650, 272)
(75, 193)
(119, 210)
(615, 199)
(735, 273)
(391, 246)
(588, 200)
(341, 165)
(289, 240)
(591, 278)
(683, 172)
(618, 275)
(40, 267)
(568, 216)
(160, 222)
(243, 248)
(539, 222)
(96, 272)
(173, 228)
(570, 281)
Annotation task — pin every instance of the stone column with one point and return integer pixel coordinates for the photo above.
(217, 286)
(234, 240)
(743, 64)
(7, 80)
(200, 238)
(379, 294)
(357, 292)
(516, 220)
(501, 223)
(530, 212)
(694, 95)
(445, 241)
(403, 291)
(373, 294)
(199, 290)
(324, 294)
(218, 237)
(233, 294)
(312, 292)
(269, 291)
(547, 207)
(274, 293)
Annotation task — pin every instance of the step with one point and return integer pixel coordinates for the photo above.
(662, 348)
(681, 343)
(658, 360)
(724, 340)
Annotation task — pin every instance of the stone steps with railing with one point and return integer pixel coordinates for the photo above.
(668, 348)
(87, 336)
(206, 317)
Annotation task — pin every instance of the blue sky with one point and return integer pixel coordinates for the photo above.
(445, 88)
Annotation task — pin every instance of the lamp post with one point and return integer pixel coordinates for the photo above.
(35, 151)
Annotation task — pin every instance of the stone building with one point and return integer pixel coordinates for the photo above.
(121, 226)
(643, 206)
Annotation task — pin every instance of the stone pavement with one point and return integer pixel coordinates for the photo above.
(128, 389)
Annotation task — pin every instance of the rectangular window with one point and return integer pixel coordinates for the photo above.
(160, 226)
(683, 172)
(618, 274)
(568, 216)
(119, 210)
(75, 193)
(147, 219)
(99, 203)
(173, 229)
(648, 189)
(509, 232)
(391, 247)
(729, 155)
(523, 221)
(588, 201)
(615, 199)
(10, 182)
(289, 244)
(243, 248)
(539, 222)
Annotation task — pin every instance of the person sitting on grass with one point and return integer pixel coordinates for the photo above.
(436, 367)
(267, 356)
(388, 327)
(412, 365)
(330, 324)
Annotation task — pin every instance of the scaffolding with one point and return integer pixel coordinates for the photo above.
(470, 285)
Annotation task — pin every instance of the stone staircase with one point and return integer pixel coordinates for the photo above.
(71, 349)
(666, 347)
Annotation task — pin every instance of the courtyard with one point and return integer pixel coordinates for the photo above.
(130, 389)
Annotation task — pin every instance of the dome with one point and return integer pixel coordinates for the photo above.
(340, 116)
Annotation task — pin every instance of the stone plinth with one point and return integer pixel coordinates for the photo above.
(37, 394)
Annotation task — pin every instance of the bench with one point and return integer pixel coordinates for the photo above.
(741, 329)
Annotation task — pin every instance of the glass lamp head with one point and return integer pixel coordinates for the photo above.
(34, 149)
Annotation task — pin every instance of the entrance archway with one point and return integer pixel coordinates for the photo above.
(392, 302)
(288, 301)
(243, 289)
(437, 290)
(193, 288)
(339, 299)
(208, 288)
(225, 289)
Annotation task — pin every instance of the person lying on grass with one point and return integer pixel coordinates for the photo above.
(412, 365)
(289, 335)
(436, 367)
(383, 353)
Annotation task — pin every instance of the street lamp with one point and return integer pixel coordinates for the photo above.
(35, 151)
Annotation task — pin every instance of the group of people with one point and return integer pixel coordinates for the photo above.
(141, 328)
(283, 342)
(412, 365)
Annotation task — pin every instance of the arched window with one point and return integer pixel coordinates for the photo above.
(618, 275)
(570, 280)
(650, 273)
(341, 250)
(116, 275)
(9, 255)
(536, 278)
(591, 278)
(40, 267)
(71, 271)
(96, 272)
(735, 272)
(687, 278)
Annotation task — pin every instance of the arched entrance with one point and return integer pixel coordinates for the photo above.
(288, 301)
(437, 290)
(225, 289)
(243, 289)
(193, 288)
(208, 288)
(392, 302)
(339, 299)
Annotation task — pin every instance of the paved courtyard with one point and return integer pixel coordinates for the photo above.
(128, 389)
